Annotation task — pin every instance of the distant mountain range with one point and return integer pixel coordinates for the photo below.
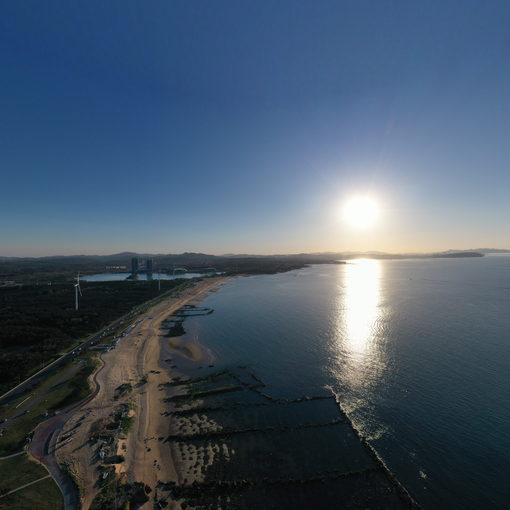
(481, 250)
(26, 269)
(201, 258)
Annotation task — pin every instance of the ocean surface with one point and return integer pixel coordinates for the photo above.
(418, 351)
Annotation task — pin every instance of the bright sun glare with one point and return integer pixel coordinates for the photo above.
(361, 212)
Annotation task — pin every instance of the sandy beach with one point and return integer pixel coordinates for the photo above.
(138, 365)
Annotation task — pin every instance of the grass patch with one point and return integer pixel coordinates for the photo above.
(18, 471)
(78, 385)
(126, 423)
(53, 394)
(117, 495)
(44, 495)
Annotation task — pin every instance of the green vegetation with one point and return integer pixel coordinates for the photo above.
(114, 459)
(43, 495)
(78, 487)
(114, 495)
(126, 423)
(106, 475)
(122, 390)
(63, 388)
(17, 471)
(39, 321)
(57, 269)
(78, 385)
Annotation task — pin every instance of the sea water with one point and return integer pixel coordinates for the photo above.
(418, 352)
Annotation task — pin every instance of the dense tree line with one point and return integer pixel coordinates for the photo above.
(60, 269)
(37, 321)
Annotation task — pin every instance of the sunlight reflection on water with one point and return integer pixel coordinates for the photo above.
(361, 303)
(358, 316)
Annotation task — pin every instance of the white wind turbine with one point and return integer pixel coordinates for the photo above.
(77, 289)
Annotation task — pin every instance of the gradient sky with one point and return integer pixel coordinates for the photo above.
(242, 126)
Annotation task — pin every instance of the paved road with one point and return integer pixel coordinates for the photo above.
(26, 485)
(18, 390)
(37, 397)
(44, 443)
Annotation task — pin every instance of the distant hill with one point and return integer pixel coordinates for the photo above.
(192, 258)
(62, 268)
(484, 250)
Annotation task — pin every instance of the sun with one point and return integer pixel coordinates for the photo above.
(361, 212)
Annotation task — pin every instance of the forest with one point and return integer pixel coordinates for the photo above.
(39, 321)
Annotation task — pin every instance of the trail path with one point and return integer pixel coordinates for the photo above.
(13, 455)
(26, 485)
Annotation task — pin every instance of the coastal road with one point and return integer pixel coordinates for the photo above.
(42, 449)
(45, 442)
(22, 387)
(35, 398)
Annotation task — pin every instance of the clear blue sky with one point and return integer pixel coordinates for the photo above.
(242, 126)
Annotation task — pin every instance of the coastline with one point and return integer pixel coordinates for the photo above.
(159, 432)
(139, 362)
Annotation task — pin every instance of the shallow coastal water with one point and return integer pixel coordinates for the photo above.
(417, 350)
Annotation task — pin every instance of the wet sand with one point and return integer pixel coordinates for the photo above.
(189, 350)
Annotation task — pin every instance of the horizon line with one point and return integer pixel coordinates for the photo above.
(227, 255)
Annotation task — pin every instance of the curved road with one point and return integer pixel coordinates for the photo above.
(22, 387)
(44, 443)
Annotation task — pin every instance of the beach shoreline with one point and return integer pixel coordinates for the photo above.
(140, 365)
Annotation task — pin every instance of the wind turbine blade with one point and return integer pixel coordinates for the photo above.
(79, 288)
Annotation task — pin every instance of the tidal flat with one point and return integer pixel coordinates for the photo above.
(235, 445)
